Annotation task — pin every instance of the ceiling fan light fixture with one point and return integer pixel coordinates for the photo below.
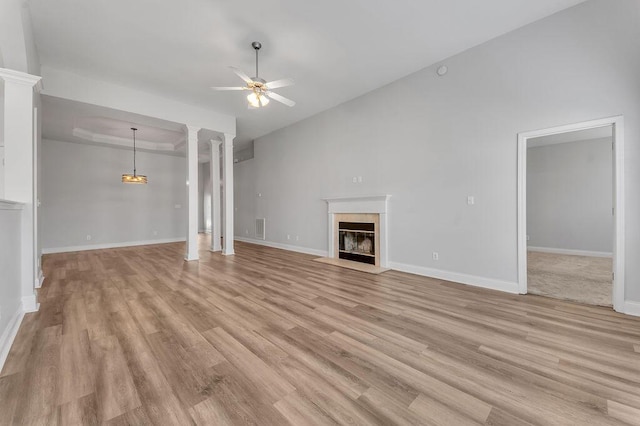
(260, 88)
(257, 100)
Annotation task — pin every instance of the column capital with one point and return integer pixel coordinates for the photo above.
(228, 138)
(192, 129)
(19, 77)
(215, 142)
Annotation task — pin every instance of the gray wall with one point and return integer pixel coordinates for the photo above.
(203, 182)
(245, 198)
(1, 138)
(431, 141)
(570, 196)
(82, 195)
(10, 291)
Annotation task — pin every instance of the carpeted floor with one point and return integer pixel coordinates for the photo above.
(579, 278)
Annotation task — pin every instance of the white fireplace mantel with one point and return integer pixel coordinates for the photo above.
(362, 204)
(377, 204)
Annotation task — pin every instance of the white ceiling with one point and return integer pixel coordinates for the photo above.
(336, 50)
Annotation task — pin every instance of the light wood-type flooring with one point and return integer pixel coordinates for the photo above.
(583, 279)
(137, 336)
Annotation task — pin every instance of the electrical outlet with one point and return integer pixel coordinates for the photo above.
(435, 255)
(288, 236)
(471, 200)
(177, 206)
(246, 231)
(88, 237)
(359, 179)
(528, 237)
(355, 179)
(155, 233)
(297, 237)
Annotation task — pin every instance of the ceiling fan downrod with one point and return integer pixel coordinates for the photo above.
(256, 45)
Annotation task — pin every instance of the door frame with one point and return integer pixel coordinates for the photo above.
(617, 124)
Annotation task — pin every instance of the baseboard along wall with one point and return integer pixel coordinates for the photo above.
(570, 252)
(110, 245)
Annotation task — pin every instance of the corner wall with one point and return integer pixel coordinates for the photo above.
(433, 141)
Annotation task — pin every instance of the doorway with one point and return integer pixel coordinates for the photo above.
(570, 212)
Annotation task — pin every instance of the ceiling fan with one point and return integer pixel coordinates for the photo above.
(261, 90)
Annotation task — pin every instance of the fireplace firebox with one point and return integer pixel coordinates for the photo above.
(356, 242)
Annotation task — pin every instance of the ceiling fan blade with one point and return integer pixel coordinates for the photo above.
(241, 74)
(280, 98)
(280, 83)
(228, 88)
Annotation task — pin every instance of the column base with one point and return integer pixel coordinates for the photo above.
(30, 303)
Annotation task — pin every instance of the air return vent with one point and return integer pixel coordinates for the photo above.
(260, 229)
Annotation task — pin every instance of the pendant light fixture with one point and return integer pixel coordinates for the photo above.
(134, 178)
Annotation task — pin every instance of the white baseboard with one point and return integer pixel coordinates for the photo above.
(631, 308)
(111, 245)
(476, 281)
(9, 335)
(570, 252)
(299, 249)
(39, 279)
(30, 304)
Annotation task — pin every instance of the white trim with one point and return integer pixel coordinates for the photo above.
(19, 77)
(570, 252)
(30, 303)
(379, 202)
(40, 278)
(631, 308)
(298, 249)
(473, 280)
(111, 245)
(11, 205)
(9, 335)
(618, 219)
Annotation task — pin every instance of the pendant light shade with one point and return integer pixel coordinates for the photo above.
(134, 178)
(127, 178)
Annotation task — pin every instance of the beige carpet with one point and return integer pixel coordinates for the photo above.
(579, 278)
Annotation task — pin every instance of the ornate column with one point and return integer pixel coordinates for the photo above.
(192, 193)
(216, 210)
(227, 234)
(19, 183)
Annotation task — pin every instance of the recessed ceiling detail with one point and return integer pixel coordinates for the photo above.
(88, 135)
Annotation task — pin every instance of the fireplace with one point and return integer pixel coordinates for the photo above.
(358, 230)
(357, 241)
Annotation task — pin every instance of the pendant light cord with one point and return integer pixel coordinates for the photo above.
(134, 150)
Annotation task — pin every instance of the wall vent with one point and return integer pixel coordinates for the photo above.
(260, 234)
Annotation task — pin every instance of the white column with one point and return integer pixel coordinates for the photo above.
(192, 193)
(216, 210)
(227, 234)
(19, 183)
